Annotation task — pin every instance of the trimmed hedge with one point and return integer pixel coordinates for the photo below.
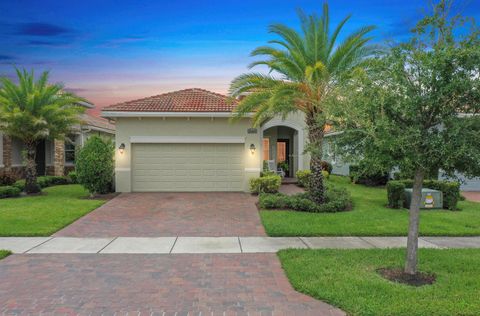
(44, 182)
(303, 177)
(450, 191)
(337, 200)
(357, 175)
(9, 191)
(265, 184)
(72, 175)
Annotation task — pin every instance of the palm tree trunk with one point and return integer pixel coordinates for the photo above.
(315, 136)
(31, 185)
(414, 221)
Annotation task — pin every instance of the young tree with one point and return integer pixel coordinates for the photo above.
(304, 68)
(32, 111)
(418, 108)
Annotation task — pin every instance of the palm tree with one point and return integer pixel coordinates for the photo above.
(304, 69)
(32, 111)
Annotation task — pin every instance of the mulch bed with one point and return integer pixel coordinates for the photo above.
(399, 276)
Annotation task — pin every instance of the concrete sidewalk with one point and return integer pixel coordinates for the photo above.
(197, 245)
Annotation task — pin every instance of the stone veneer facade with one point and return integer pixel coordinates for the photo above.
(57, 169)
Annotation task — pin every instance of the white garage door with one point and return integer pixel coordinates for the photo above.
(187, 167)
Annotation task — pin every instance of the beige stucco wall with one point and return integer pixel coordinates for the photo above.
(295, 121)
(182, 126)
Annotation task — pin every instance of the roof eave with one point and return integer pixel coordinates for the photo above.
(114, 114)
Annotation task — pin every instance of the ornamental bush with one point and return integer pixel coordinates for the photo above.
(303, 177)
(450, 191)
(72, 176)
(94, 165)
(359, 175)
(265, 184)
(337, 200)
(9, 191)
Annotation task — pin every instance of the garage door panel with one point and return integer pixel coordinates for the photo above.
(187, 167)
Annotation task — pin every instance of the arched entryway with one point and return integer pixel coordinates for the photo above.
(283, 143)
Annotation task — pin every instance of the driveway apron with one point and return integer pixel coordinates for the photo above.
(171, 214)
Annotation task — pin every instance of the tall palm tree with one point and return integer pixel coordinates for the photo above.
(304, 69)
(32, 111)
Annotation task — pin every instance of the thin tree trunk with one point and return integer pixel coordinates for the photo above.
(316, 186)
(31, 185)
(414, 221)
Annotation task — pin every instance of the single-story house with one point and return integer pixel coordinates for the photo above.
(54, 157)
(185, 141)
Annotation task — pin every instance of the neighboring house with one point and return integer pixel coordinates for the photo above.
(185, 141)
(342, 168)
(54, 157)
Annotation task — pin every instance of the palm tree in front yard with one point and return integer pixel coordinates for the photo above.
(304, 69)
(34, 110)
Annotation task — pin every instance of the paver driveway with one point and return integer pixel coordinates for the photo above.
(144, 284)
(171, 214)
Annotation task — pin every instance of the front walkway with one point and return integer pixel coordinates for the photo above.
(171, 214)
(199, 245)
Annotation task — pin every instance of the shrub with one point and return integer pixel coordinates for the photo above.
(267, 173)
(395, 194)
(327, 166)
(20, 184)
(58, 180)
(94, 165)
(450, 191)
(359, 175)
(7, 179)
(9, 191)
(303, 177)
(325, 174)
(43, 181)
(266, 184)
(337, 200)
(72, 175)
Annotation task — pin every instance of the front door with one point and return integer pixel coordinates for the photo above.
(40, 158)
(283, 155)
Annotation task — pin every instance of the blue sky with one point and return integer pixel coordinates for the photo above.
(111, 51)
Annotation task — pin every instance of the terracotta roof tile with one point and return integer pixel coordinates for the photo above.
(89, 120)
(188, 100)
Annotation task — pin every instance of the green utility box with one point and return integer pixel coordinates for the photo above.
(431, 199)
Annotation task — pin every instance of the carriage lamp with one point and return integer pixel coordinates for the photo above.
(121, 149)
(252, 148)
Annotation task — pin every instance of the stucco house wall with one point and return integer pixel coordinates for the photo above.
(128, 127)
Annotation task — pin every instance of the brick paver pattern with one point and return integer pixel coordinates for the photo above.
(151, 285)
(171, 214)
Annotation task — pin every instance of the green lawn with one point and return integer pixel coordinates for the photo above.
(348, 280)
(371, 217)
(44, 214)
(4, 253)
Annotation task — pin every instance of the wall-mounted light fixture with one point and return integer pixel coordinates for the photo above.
(252, 148)
(121, 149)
